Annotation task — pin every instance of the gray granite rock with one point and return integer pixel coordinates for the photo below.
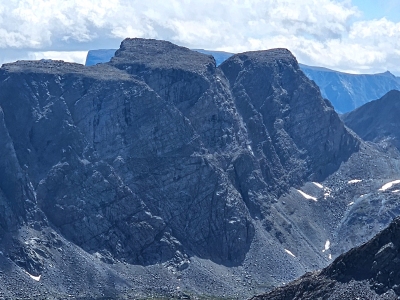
(161, 164)
(370, 271)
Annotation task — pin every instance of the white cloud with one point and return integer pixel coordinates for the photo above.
(68, 56)
(319, 32)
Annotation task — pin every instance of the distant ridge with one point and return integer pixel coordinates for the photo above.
(349, 91)
(220, 56)
(377, 121)
(99, 56)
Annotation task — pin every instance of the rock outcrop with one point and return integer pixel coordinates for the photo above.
(161, 164)
(370, 271)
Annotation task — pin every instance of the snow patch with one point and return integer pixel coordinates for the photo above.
(350, 204)
(389, 185)
(290, 253)
(327, 245)
(319, 185)
(250, 149)
(395, 191)
(330, 256)
(354, 181)
(36, 278)
(307, 196)
(327, 192)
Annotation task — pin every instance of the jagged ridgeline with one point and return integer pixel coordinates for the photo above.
(161, 161)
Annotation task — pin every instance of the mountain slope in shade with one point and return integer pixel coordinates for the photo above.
(370, 271)
(377, 121)
(349, 91)
(159, 173)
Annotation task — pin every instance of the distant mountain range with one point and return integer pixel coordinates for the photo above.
(345, 91)
(99, 56)
(219, 56)
(349, 91)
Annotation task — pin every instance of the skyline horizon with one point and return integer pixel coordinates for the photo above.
(352, 36)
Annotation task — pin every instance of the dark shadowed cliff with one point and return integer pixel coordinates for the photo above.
(378, 121)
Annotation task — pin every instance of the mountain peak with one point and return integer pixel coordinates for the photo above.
(162, 55)
(266, 56)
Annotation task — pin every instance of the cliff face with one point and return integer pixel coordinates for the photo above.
(307, 136)
(161, 160)
(80, 127)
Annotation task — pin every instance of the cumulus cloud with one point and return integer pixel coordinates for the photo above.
(319, 32)
(68, 56)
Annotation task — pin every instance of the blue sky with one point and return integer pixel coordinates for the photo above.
(376, 9)
(359, 36)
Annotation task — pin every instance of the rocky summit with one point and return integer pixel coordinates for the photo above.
(159, 174)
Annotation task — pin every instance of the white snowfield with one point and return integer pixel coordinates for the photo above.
(36, 278)
(327, 245)
(389, 185)
(395, 191)
(307, 196)
(354, 181)
(290, 253)
(350, 204)
(318, 185)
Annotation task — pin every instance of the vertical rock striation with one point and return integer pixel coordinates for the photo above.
(159, 156)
